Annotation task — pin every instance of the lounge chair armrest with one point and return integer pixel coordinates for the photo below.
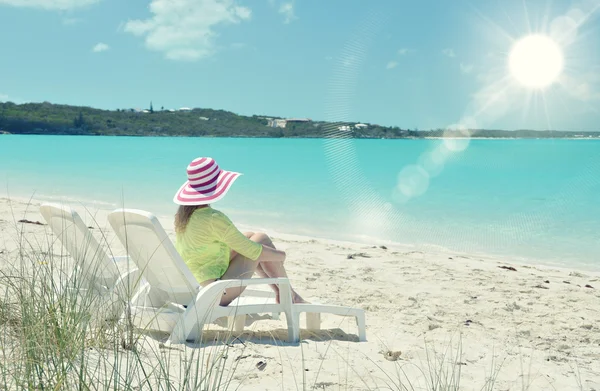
(216, 288)
(254, 281)
(206, 306)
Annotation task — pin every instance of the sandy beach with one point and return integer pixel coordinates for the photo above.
(532, 327)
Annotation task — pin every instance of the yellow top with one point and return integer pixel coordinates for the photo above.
(206, 243)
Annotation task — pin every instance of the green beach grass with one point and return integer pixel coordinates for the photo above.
(57, 334)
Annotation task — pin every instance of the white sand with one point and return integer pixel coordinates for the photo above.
(542, 324)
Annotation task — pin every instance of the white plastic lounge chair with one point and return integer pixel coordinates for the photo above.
(175, 302)
(113, 278)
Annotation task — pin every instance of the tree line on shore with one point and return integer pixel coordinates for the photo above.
(53, 119)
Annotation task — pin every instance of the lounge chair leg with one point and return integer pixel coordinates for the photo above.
(360, 322)
(189, 327)
(239, 322)
(177, 335)
(293, 323)
(313, 321)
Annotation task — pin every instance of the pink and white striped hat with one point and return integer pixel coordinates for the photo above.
(206, 183)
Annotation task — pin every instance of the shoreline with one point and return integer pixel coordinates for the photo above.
(428, 248)
(103, 208)
(305, 137)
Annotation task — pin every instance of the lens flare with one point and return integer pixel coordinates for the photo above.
(413, 181)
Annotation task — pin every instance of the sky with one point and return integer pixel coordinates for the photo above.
(430, 64)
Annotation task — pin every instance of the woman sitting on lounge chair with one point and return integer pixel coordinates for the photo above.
(210, 244)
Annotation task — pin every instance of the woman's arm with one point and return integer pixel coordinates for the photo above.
(241, 244)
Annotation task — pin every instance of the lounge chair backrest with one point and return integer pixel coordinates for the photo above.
(150, 248)
(77, 239)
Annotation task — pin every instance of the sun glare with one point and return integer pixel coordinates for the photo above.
(535, 61)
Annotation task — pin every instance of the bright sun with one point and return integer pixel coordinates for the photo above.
(535, 61)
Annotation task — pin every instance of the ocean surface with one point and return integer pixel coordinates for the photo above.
(533, 200)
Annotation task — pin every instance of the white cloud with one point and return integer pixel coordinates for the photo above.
(184, 29)
(583, 91)
(100, 47)
(466, 68)
(13, 99)
(287, 10)
(448, 52)
(71, 21)
(403, 51)
(242, 46)
(50, 4)
(391, 65)
(585, 87)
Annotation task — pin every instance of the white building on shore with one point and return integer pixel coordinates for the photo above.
(282, 123)
(276, 123)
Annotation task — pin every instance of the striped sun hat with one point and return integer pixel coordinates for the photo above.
(206, 183)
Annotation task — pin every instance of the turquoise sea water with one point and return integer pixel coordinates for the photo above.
(532, 199)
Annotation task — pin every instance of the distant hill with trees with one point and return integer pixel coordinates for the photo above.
(54, 119)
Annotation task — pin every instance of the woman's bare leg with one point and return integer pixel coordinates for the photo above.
(273, 269)
(259, 270)
(240, 267)
(262, 239)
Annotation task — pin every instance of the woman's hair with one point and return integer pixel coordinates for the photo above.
(182, 217)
